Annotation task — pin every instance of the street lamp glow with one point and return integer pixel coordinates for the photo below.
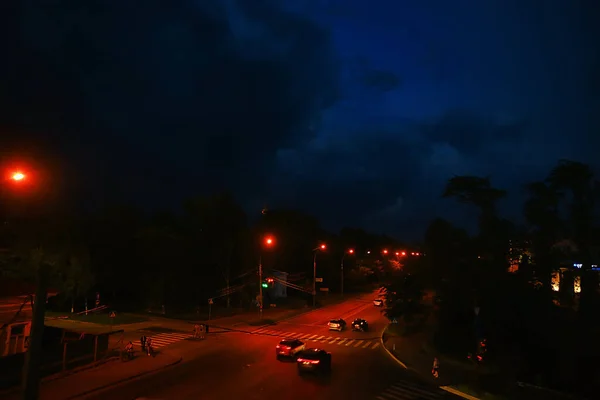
(403, 253)
(397, 254)
(385, 251)
(18, 176)
(351, 251)
(269, 241)
(368, 251)
(323, 247)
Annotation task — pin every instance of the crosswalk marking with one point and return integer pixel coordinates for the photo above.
(406, 390)
(165, 339)
(370, 344)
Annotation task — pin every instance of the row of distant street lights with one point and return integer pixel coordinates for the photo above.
(269, 241)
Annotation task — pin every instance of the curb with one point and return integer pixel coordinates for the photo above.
(388, 351)
(446, 388)
(121, 381)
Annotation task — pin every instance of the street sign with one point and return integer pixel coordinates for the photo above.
(324, 289)
(318, 279)
(112, 314)
(210, 301)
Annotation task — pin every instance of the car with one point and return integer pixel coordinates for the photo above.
(378, 302)
(360, 325)
(314, 360)
(337, 325)
(289, 348)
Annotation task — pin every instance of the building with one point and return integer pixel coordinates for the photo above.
(15, 314)
(519, 253)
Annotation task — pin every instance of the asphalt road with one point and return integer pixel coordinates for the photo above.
(243, 365)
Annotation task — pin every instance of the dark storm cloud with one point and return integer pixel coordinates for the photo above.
(177, 92)
(391, 180)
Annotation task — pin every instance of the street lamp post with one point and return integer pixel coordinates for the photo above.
(350, 251)
(31, 366)
(314, 291)
(267, 242)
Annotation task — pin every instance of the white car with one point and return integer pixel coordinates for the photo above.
(337, 325)
(378, 302)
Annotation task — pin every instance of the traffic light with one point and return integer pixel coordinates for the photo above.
(265, 285)
(270, 280)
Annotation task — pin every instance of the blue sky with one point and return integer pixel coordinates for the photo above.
(357, 112)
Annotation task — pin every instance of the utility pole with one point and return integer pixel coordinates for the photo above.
(260, 293)
(342, 278)
(314, 292)
(31, 368)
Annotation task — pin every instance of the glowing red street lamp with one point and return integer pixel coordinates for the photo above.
(17, 176)
(322, 247)
(403, 253)
(349, 251)
(385, 251)
(268, 241)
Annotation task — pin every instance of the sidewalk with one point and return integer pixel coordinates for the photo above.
(456, 376)
(106, 375)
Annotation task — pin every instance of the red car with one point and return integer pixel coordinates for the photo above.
(289, 348)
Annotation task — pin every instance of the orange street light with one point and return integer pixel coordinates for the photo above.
(403, 253)
(397, 254)
(350, 251)
(323, 247)
(18, 176)
(385, 251)
(269, 241)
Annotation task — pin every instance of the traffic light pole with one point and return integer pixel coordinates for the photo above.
(314, 291)
(342, 277)
(260, 293)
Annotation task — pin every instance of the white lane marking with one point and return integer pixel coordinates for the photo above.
(304, 336)
(375, 345)
(342, 341)
(367, 344)
(332, 341)
(313, 336)
(320, 337)
(357, 344)
(350, 342)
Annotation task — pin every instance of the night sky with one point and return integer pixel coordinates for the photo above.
(355, 111)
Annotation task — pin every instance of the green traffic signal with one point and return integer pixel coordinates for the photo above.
(265, 285)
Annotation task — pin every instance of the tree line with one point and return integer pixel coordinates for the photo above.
(498, 284)
(178, 260)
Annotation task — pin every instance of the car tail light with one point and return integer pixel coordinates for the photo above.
(304, 360)
(283, 347)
